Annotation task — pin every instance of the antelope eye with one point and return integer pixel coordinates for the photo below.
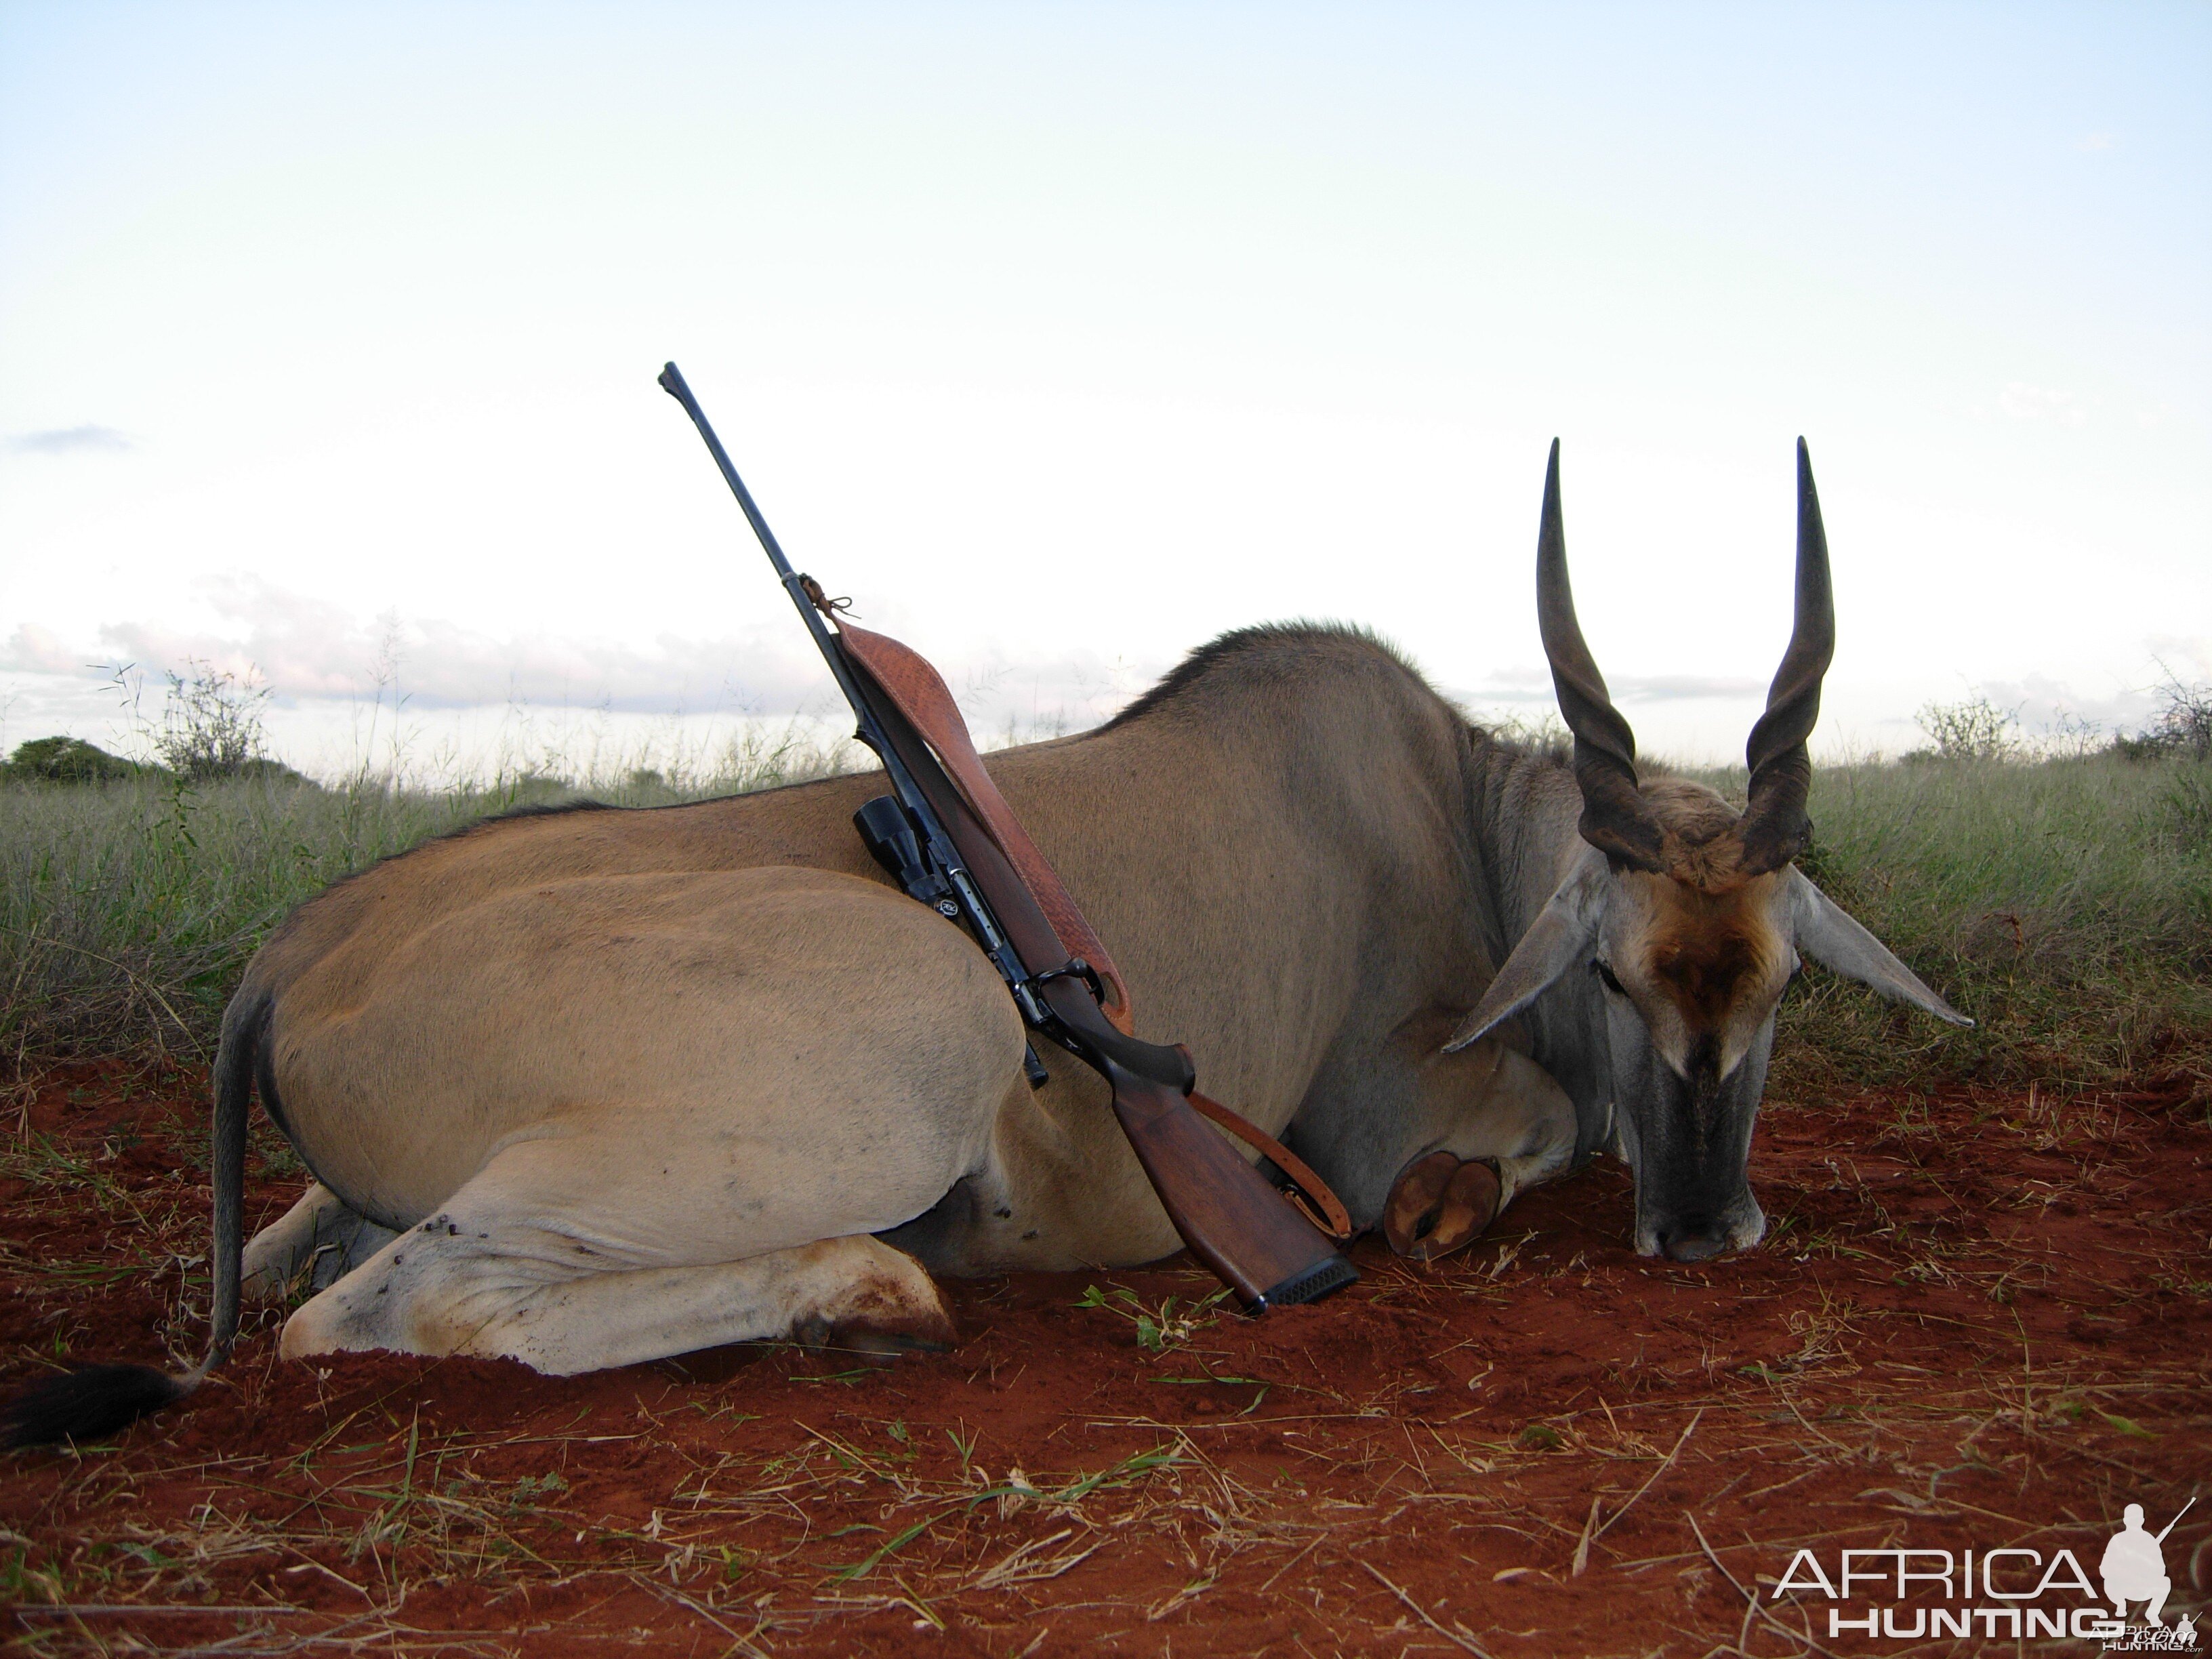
(1605, 973)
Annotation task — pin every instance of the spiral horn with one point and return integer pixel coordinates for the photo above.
(1616, 819)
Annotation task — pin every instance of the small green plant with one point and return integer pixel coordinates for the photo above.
(2189, 807)
(1158, 1328)
(536, 1488)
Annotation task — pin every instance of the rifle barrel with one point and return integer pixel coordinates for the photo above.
(672, 382)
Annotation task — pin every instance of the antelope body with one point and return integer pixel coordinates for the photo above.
(628, 1083)
(594, 1086)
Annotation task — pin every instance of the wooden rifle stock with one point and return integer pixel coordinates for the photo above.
(1244, 1230)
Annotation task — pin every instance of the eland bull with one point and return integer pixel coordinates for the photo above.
(585, 1087)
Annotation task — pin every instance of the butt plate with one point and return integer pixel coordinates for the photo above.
(1324, 1278)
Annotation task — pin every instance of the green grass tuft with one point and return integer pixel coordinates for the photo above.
(129, 909)
(2065, 905)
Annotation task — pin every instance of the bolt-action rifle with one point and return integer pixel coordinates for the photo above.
(946, 834)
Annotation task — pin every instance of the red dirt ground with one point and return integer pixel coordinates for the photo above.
(1981, 1320)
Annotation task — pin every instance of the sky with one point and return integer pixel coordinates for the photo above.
(1063, 337)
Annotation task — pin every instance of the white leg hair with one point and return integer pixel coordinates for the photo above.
(575, 1251)
(448, 1294)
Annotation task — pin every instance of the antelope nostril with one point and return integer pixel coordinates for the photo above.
(1694, 1241)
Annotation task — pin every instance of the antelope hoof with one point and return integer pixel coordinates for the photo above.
(1440, 1204)
(872, 1347)
(1410, 1213)
(879, 1334)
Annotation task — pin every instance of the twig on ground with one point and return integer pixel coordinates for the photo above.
(1459, 1635)
(1583, 1547)
(1695, 1417)
(1751, 1598)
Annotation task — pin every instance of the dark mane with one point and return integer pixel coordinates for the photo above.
(527, 810)
(1551, 748)
(1263, 645)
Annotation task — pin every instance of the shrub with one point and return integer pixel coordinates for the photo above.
(211, 727)
(67, 760)
(1972, 729)
(2182, 726)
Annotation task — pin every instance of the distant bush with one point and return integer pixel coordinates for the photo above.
(1972, 729)
(210, 729)
(264, 769)
(211, 726)
(2183, 726)
(67, 760)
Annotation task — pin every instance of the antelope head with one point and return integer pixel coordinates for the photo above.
(1691, 917)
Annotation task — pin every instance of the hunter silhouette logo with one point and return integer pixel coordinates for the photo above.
(2134, 1567)
(2012, 1593)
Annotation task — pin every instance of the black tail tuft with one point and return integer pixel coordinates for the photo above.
(94, 1400)
(87, 1403)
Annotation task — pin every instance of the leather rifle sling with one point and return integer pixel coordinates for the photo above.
(1306, 1189)
(909, 680)
(916, 688)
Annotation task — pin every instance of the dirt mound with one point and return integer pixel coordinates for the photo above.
(1979, 1320)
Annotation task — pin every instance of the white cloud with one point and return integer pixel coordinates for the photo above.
(35, 650)
(2045, 704)
(70, 440)
(1525, 685)
(307, 649)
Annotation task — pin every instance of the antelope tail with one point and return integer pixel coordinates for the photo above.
(94, 1401)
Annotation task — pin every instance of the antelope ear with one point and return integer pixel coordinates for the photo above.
(1839, 944)
(1560, 939)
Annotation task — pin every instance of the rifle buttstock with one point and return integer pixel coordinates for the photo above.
(1245, 1231)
